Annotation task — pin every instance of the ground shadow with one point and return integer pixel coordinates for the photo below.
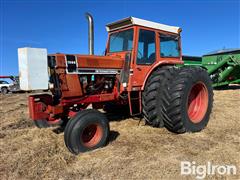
(122, 116)
(110, 116)
(117, 116)
(113, 136)
(232, 87)
(58, 130)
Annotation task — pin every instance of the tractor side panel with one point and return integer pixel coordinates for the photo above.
(70, 84)
(72, 68)
(106, 62)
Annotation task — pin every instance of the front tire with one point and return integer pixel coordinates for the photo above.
(187, 100)
(86, 131)
(4, 90)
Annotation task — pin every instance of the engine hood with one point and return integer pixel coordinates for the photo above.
(88, 61)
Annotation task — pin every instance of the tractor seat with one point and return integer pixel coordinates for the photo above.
(152, 57)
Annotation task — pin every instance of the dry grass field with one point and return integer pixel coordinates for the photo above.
(135, 151)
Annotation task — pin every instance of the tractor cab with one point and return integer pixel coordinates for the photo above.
(148, 43)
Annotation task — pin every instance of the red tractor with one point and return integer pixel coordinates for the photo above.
(137, 71)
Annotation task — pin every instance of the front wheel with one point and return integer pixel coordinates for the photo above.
(4, 90)
(86, 131)
(187, 100)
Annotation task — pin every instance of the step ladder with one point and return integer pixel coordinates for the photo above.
(135, 102)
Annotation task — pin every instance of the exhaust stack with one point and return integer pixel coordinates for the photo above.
(90, 33)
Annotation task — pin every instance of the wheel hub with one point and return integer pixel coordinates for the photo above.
(197, 102)
(92, 135)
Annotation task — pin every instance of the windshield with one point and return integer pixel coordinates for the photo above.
(4, 82)
(121, 41)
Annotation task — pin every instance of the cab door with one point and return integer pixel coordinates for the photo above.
(144, 57)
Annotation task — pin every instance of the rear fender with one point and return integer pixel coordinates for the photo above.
(159, 64)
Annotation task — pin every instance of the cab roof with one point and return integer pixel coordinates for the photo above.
(141, 22)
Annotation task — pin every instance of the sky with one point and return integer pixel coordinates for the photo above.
(60, 26)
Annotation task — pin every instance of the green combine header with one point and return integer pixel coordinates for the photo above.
(223, 66)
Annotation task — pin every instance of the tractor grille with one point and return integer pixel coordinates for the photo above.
(71, 63)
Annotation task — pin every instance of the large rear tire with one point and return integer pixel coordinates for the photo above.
(151, 99)
(86, 131)
(187, 100)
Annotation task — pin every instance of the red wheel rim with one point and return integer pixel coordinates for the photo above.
(92, 135)
(197, 102)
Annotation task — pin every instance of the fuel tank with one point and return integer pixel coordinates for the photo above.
(33, 68)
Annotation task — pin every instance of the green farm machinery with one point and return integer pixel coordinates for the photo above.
(222, 66)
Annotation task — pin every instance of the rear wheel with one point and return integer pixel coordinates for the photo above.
(86, 131)
(187, 100)
(152, 94)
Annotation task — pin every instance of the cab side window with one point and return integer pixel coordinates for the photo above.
(146, 47)
(169, 46)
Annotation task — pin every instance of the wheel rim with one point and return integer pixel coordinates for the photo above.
(92, 135)
(197, 102)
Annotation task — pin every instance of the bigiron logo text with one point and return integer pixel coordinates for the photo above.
(208, 169)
